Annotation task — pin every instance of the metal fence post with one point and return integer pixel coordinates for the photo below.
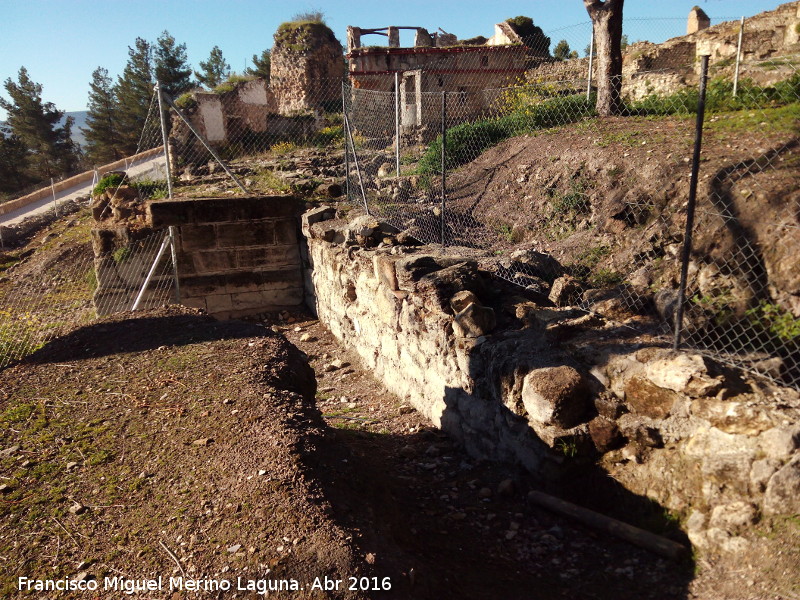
(349, 133)
(444, 163)
(165, 138)
(738, 59)
(150, 274)
(397, 123)
(173, 251)
(53, 189)
(346, 147)
(591, 60)
(690, 209)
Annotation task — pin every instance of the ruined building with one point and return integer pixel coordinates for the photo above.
(305, 81)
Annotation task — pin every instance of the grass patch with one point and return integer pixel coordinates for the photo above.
(468, 140)
(720, 98)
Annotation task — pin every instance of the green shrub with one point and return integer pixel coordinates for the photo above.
(720, 98)
(230, 84)
(150, 189)
(112, 180)
(774, 319)
(120, 255)
(186, 101)
(467, 141)
(330, 136)
(603, 278)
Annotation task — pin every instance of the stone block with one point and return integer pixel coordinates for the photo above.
(216, 303)
(316, 215)
(462, 299)
(441, 285)
(384, 271)
(555, 396)
(267, 257)
(214, 261)
(247, 300)
(474, 321)
(782, 496)
(286, 297)
(197, 237)
(226, 210)
(170, 212)
(285, 231)
(193, 301)
(647, 399)
(238, 235)
(605, 434)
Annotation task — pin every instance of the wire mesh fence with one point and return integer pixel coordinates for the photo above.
(253, 137)
(506, 153)
(64, 286)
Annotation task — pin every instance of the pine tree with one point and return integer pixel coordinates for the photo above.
(172, 68)
(562, 50)
(35, 124)
(13, 163)
(103, 139)
(262, 65)
(134, 91)
(214, 71)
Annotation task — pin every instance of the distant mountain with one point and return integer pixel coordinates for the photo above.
(80, 121)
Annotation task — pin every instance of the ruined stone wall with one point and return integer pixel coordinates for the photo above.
(489, 368)
(307, 68)
(249, 110)
(664, 68)
(236, 256)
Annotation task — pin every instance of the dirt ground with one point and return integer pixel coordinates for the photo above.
(169, 444)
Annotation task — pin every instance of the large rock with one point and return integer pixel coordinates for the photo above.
(734, 516)
(440, 286)
(555, 396)
(566, 291)
(474, 321)
(533, 263)
(605, 434)
(683, 373)
(647, 399)
(783, 490)
(780, 442)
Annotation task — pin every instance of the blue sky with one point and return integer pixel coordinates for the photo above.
(61, 42)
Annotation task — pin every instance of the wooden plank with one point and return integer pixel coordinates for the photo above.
(644, 539)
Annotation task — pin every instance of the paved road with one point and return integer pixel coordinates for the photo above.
(146, 168)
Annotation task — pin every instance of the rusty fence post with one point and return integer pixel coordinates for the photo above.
(690, 209)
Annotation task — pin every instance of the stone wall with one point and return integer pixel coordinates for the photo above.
(533, 380)
(664, 68)
(306, 68)
(236, 256)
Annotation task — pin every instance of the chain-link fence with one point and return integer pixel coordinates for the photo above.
(249, 136)
(502, 150)
(64, 285)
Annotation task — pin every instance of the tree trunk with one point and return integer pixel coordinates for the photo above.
(607, 22)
